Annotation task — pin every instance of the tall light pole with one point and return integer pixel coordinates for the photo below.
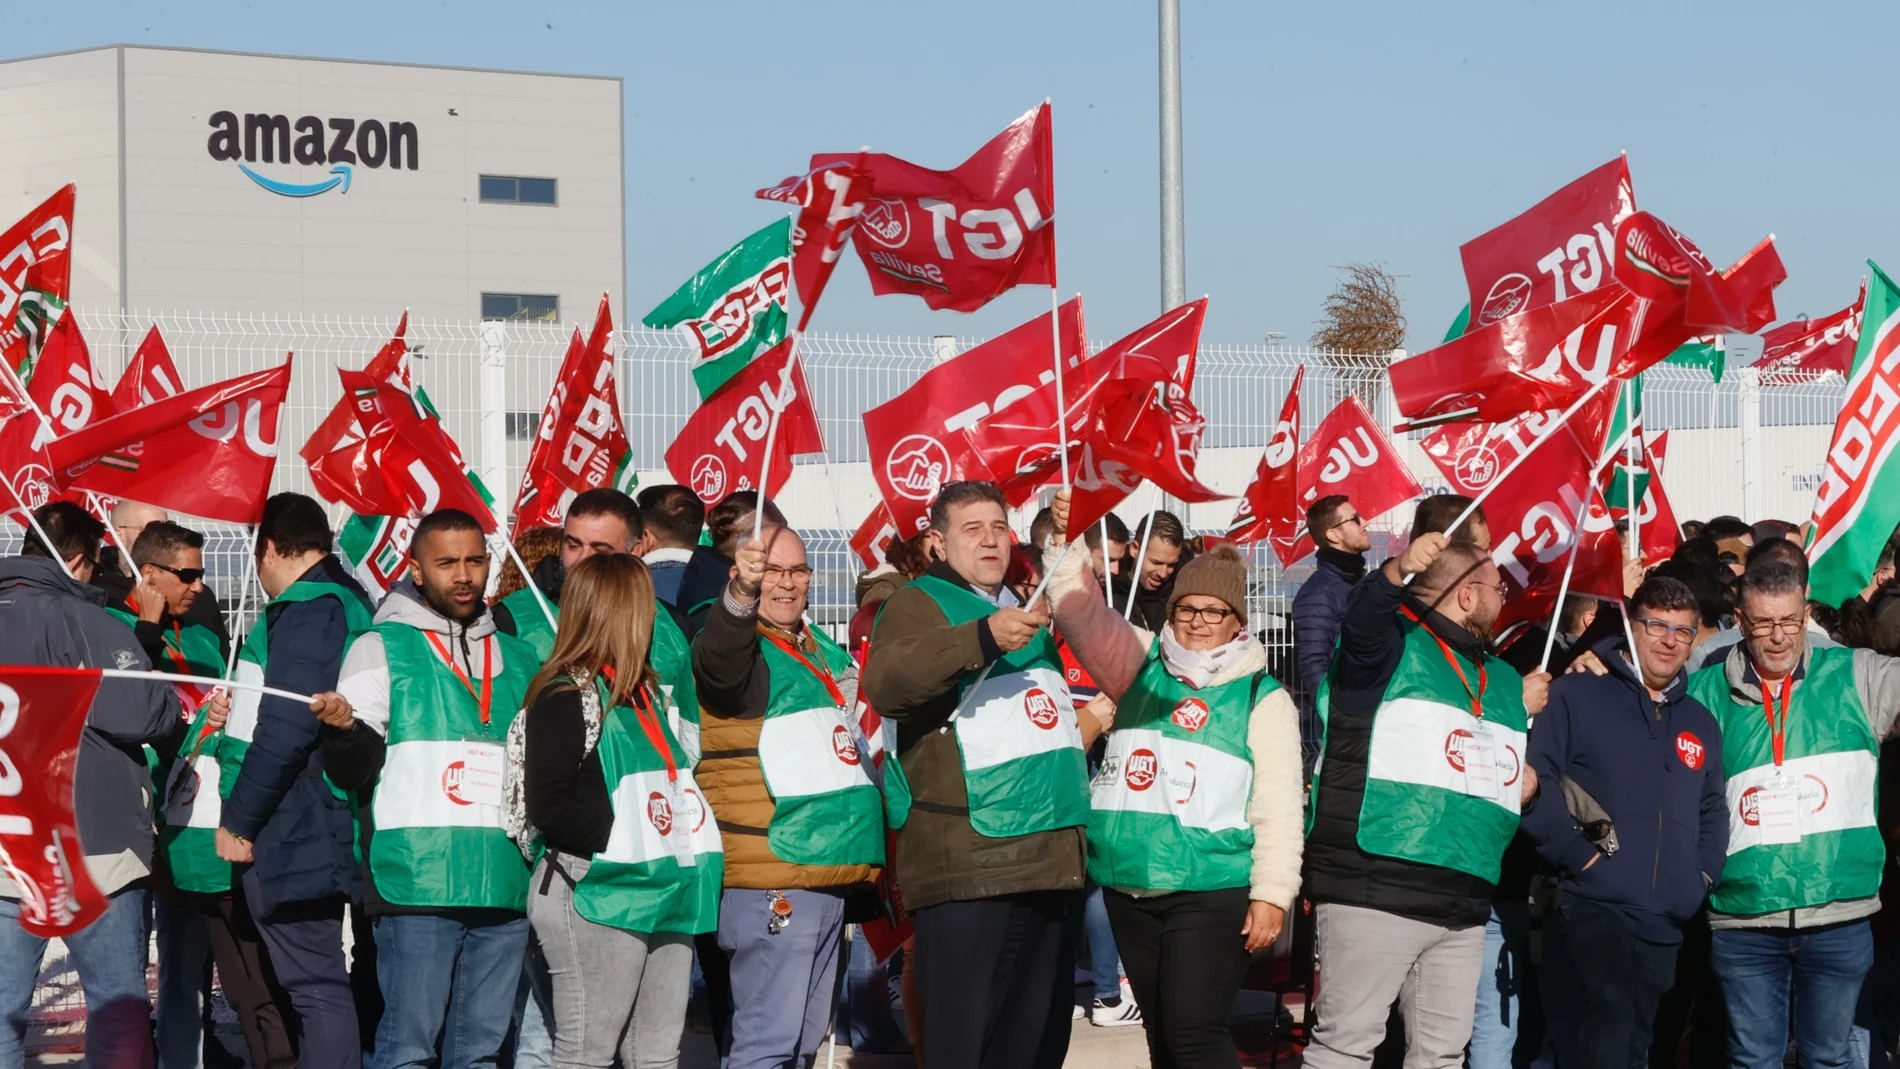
(1173, 248)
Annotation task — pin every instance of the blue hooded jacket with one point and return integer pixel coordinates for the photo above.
(1656, 768)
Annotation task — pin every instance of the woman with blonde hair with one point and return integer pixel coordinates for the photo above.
(629, 866)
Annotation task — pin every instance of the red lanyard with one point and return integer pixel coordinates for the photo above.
(1477, 697)
(824, 675)
(487, 693)
(1777, 731)
(649, 723)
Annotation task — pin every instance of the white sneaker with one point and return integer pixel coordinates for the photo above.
(1079, 1012)
(1123, 1012)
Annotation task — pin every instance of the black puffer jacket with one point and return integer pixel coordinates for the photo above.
(1371, 644)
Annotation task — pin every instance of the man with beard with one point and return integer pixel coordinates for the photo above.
(1418, 795)
(430, 692)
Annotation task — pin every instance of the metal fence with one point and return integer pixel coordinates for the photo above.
(1736, 447)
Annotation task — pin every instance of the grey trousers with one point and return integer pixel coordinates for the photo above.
(1368, 958)
(782, 985)
(615, 991)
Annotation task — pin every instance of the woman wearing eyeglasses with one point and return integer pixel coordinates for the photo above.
(629, 865)
(1194, 829)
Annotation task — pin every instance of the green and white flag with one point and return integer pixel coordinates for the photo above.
(1858, 504)
(734, 307)
(1706, 352)
(1624, 422)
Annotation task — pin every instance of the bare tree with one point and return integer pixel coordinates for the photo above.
(1363, 314)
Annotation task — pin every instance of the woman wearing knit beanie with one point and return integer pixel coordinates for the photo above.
(1194, 829)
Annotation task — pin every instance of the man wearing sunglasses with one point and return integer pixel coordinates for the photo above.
(782, 766)
(1633, 816)
(1801, 731)
(129, 520)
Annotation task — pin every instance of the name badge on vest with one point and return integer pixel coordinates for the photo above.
(481, 773)
(1481, 763)
(1779, 811)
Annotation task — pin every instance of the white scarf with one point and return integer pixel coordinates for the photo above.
(1198, 668)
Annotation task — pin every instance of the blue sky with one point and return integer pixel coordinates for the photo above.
(1316, 134)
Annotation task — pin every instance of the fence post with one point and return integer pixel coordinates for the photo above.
(492, 423)
(1750, 424)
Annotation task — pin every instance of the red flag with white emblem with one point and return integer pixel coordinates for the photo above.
(150, 376)
(579, 444)
(872, 540)
(1559, 248)
(829, 197)
(35, 280)
(716, 453)
(70, 395)
(959, 238)
(43, 712)
(1147, 431)
(1349, 454)
(1811, 345)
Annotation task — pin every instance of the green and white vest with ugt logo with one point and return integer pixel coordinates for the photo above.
(1168, 809)
(358, 617)
(188, 813)
(664, 867)
(1443, 786)
(1023, 764)
(671, 656)
(439, 838)
(1823, 845)
(826, 811)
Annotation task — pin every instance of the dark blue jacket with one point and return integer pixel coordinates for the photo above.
(302, 833)
(1656, 768)
(1317, 610)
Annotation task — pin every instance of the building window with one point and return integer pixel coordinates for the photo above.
(534, 307)
(507, 189)
(521, 426)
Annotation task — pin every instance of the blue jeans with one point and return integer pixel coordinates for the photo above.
(184, 950)
(447, 982)
(109, 955)
(1500, 1006)
(1105, 961)
(1762, 971)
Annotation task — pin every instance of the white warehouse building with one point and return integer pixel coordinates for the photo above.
(226, 182)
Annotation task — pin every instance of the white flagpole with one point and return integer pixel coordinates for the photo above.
(1576, 543)
(1631, 437)
(205, 681)
(771, 434)
(1147, 536)
(1062, 404)
(1108, 591)
(244, 596)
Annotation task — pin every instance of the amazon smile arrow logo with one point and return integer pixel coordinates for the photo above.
(341, 178)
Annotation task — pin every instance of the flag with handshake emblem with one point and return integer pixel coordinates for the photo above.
(721, 449)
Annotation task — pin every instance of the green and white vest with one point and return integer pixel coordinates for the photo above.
(1830, 759)
(439, 839)
(1023, 764)
(358, 617)
(671, 656)
(1425, 801)
(1168, 809)
(826, 811)
(188, 814)
(663, 868)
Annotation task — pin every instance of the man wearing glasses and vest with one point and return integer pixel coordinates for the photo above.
(802, 824)
(1801, 731)
(1418, 794)
(988, 791)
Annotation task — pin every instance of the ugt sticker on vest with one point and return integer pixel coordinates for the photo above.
(481, 773)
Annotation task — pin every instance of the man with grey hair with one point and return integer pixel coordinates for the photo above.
(990, 846)
(1801, 733)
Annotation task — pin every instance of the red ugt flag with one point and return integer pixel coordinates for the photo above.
(403, 464)
(150, 376)
(42, 714)
(1270, 508)
(35, 279)
(1349, 454)
(581, 444)
(1559, 248)
(830, 196)
(1141, 430)
(1813, 346)
(918, 440)
(959, 238)
(721, 448)
(206, 452)
(69, 392)
(390, 365)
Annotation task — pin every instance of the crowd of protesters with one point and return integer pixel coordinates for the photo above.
(531, 821)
